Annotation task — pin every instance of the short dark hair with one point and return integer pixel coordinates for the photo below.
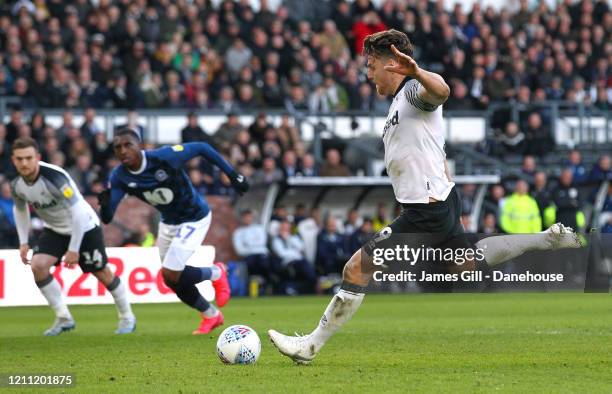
(128, 131)
(25, 142)
(379, 44)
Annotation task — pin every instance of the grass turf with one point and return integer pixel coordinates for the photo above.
(555, 342)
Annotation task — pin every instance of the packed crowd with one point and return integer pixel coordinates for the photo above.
(302, 55)
(263, 152)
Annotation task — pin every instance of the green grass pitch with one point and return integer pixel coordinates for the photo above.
(514, 342)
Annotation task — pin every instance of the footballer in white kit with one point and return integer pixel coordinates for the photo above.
(416, 164)
(71, 231)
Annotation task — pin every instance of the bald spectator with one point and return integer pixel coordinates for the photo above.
(333, 165)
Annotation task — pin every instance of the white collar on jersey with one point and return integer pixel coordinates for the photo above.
(143, 165)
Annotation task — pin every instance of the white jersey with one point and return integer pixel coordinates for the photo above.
(414, 147)
(57, 201)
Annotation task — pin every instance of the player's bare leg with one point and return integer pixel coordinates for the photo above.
(50, 288)
(127, 320)
(501, 248)
(303, 349)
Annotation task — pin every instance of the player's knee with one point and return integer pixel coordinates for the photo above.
(40, 268)
(171, 278)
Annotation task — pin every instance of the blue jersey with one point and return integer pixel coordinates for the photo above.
(162, 182)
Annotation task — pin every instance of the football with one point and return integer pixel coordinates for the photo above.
(238, 345)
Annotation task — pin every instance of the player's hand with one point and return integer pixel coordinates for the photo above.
(239, 183)
(23, 253)
(71, 258)
(104, 198)
(405, 65)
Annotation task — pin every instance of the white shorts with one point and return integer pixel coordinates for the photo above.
(177, 242)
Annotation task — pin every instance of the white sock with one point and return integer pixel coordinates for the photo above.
(501, 248)
(53, 293)
(124, 308)
(210, 312)
(215, 273)
(339, 311)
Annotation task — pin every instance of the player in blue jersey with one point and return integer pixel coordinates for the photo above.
(157, 177)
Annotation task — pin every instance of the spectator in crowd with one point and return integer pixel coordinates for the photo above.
(289, 164)
(193, 132)
(566, 205)
(250, 242)
(333, 165)
(82, 173)
(14, 124)
(268, 173)
(602, 170)
(381, 220)
(541, 192)
(333, 39)
(494, 200)
(574, 163)
(308, 167)
(519, 213)
(8, 232)
(6, 166)
(6, 202)
(227, 132)
(538, 137)
(361, 235)
(489, 224)
(331, 248)
(90, 128)
(352, 222)
(528, 169)
(368, 23)
(460, 100)
(299, 214)
(511, 142)
(289, 249)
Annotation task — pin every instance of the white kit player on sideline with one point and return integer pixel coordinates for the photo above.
(71, 230)
(431, 207)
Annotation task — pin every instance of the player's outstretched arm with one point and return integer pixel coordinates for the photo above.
(434, 89)
(190, 150)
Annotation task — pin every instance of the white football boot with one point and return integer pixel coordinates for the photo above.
(60, 325)
(562, 237)
(299, 348)
(127, 325)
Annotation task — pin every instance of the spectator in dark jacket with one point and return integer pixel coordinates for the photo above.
(331, 248)
(193, 132)
(360, 236)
